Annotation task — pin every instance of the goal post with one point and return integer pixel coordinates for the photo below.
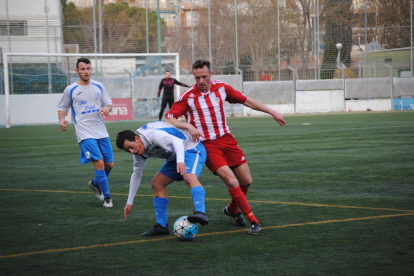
(34, 83)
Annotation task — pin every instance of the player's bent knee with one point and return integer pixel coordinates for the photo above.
(191, 180)
(109, 166)
(246, 183)
(231, 183)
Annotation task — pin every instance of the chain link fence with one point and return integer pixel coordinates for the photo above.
(262, 38)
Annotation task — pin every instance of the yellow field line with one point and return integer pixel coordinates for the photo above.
(201, 235)
(117, 173)
(224, 199)
(204, 176)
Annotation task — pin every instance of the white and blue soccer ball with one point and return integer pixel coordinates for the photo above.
(185, 230)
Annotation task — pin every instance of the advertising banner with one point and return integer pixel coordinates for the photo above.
(121, 110)
(404, 104)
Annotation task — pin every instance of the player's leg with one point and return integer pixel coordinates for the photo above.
(159, 185)
(238, 164)
(160, 202)
(238, 198)
(101, 181)
(198, 195)
(244, 178)
(163, 106)
(166, 174)
(108, 159)
(237, 195)
(194, 162)
(170, 101)
(217, 162)
(91, 151)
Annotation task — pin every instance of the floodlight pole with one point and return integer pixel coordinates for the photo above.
(411, 38)
(49, 73)
(192, 33)
(314, 37)
(159, 33)
(209, 31)
(366, 23)
(146, 24)
(95, 47)
(237, 42)
(100, 34)
(278, 36)
(158, 27)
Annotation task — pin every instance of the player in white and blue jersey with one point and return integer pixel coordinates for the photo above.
(184, 161)
(89, 101)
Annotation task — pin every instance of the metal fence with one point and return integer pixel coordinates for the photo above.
(262, 38)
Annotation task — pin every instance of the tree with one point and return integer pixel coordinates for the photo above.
(394, 19)
(123, 30)
(338, 30)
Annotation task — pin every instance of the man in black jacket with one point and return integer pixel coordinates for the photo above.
(168, 96)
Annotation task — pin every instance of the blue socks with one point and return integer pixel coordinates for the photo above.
(160, 206)
(102, 181)
(198, 194)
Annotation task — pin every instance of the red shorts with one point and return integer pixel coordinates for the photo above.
(223, 151)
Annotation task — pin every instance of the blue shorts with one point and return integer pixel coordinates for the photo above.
(95, 149)
(194, 160)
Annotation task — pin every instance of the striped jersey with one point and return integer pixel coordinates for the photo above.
(86, 101)
(205, 111)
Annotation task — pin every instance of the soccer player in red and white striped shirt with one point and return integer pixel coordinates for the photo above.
(203, 107)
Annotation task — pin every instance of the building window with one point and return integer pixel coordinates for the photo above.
(17, 28)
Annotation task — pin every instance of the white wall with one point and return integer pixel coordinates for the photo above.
(41, 108)
(320, 101)
(282, 108)
(365, 105)
(31, 109)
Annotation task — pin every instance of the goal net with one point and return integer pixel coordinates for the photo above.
(32, 84)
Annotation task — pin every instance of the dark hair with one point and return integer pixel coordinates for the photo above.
(84, 60)
(199, 64)
(124, 135)
(168, 71)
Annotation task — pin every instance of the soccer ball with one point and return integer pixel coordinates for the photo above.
(185, 230)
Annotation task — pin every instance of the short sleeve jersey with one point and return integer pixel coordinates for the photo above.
(86, 101)
(205, 111)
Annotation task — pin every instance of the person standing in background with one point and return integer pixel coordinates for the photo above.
(168, 96)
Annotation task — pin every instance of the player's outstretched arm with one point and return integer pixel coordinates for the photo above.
(63, 122)
(253, 104)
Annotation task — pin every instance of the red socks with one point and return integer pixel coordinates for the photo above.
(239, 201)
(233, 207)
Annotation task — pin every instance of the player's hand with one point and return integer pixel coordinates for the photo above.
(181, 168)
(195, 133)
(104, 111)
(127, 210)
(279, 118)
(158, 99)
(63, 125)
